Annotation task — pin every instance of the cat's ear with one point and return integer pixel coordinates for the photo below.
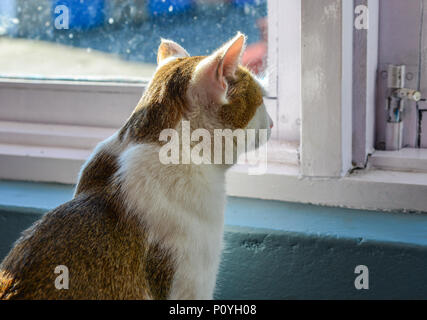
(170, 48)
(223, 63)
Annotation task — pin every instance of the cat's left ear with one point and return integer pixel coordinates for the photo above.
(169, 48)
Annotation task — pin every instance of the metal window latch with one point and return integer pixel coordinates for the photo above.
(398, 95)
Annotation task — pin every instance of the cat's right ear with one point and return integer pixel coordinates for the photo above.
(212, 72)
(169, 48)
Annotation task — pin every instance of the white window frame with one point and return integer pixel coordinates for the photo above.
(329, 154)
(314, 81)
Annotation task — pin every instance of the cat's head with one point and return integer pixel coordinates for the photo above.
(211, 92)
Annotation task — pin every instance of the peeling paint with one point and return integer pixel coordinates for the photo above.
(331, 11)
(314, 83)
(254, 245)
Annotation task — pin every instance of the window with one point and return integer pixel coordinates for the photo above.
(403, 24)
(75, 40)
(323, 96)
(339, 64)
(400, 123)
(78, 39)
(93, 58)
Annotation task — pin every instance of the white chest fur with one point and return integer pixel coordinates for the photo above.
(182, 208)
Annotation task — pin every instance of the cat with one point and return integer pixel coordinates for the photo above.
(137, 228)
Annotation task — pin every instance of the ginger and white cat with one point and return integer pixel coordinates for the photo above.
(137, 228)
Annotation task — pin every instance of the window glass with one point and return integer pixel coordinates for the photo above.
(118, 39)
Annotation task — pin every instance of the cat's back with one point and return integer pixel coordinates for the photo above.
(106, 254)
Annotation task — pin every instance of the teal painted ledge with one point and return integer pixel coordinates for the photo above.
(278, 250)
